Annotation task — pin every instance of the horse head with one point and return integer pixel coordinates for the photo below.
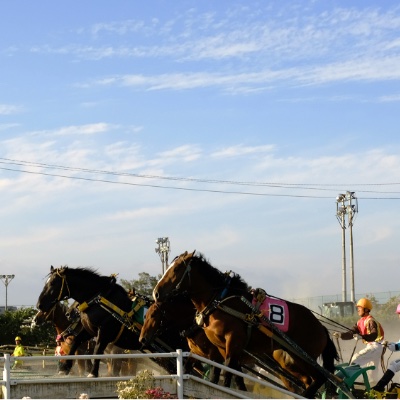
(176, 278)
(55, 289)
(152, 324)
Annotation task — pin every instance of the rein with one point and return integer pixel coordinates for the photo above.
(186, 272)
(63, 282)
(51, 311)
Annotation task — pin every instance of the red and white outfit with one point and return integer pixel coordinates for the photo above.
(372, 335)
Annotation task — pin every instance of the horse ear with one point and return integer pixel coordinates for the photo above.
(51, 269)
(192, 254)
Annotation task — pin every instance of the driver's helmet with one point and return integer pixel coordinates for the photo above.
(18, 338)
(365, 303)
(398, 309)
(59, 338)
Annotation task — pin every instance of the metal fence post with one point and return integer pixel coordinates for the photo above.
(179, 372)
(7, 375)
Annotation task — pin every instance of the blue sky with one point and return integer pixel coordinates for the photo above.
(228, 126)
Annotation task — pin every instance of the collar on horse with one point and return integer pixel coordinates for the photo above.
(216, 300)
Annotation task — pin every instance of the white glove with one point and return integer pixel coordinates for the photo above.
(336, 334)
(357, 337)
(392, 346)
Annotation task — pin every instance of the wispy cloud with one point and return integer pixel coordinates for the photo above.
(184, 153)
(356, 71)
(5, 127)
(86, 129)
(240, 150)
(7, 109)
(389, 98)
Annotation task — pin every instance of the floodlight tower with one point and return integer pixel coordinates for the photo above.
(6, 279)
(163, 250)
(340, 215)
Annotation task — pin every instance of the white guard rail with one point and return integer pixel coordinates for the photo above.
(179, 377)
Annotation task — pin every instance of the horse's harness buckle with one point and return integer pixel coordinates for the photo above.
(252, 318)
(199, 319)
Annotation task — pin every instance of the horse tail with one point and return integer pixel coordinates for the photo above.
(329, 354)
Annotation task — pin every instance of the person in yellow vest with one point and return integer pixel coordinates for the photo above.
(19, 351)
(372, 335)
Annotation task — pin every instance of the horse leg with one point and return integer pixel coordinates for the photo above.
(98, 349)
(79, 339)
(89, 351)
(116, 365)
(286, 361)
(234, 364)
(215, 373)
(240, 381)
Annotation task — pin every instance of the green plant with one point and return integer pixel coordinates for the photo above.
(142, 387)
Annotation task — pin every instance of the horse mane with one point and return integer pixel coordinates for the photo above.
(237, 284)
(85, 273)
(88, 273)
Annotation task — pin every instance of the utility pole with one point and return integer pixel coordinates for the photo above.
(347, 204)
(340, 215)
(163, 250)
(351, 210)
(6, 279)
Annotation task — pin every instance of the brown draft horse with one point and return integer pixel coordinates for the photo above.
(58, 315)
(177, 318)
(91, 290)
(106, 311)
(205, 285)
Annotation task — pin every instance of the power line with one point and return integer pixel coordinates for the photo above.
(303, 186)
(231, 182)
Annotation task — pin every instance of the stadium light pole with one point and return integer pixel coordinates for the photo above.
(163, 250)
(6, 279)
(340, 215)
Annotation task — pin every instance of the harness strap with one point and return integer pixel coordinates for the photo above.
(71, 328)
(140, 303)
(119, 334)
(63, 282)
(249, 318)
(83, 306)
(115, 311)
(113, 307)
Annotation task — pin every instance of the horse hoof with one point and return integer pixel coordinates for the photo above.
(92, 376)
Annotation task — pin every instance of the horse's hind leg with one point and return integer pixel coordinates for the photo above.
(286, 361)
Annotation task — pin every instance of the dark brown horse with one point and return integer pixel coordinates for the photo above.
(222, 313)
(66, 327)
(176, 319)
(57, 316)
(99, 297)
(106, 311)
